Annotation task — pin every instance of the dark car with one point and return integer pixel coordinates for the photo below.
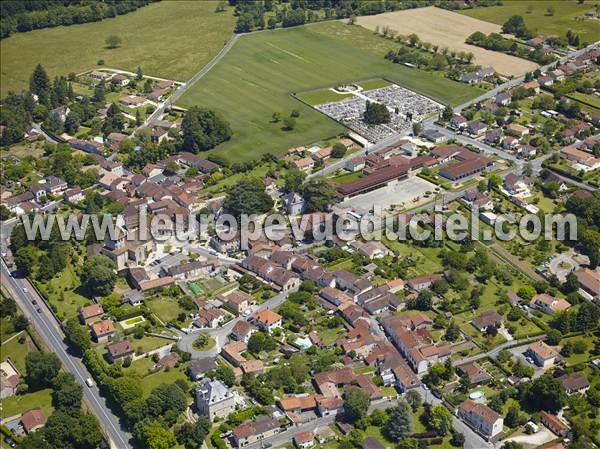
(38, 310)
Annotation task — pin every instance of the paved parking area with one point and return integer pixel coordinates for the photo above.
(402, 193)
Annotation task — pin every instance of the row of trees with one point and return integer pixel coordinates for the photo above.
(496, 42)
(22, 15)
(253, 15)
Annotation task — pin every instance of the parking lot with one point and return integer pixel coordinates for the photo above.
(402, 194)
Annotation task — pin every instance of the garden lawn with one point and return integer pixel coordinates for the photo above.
(62, 293)
(538, 22)
(149, 343)
(263, 71)
(17, 404)
(151, 381)
(171, 39)
(17, 351)
(167, 309)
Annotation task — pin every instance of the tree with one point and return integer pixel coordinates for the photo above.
(338, 151)
(414, 399)
(248, 197)
(356, 404)
(8, 307)
(87, 433)
(319, 195)
(98, 275)
(225, 374)
(289, 123)
(67, 393)
(400, 421)
(545, 393)
(72, 123)
(422, 302)
(193, 435)
(155, 436)
(39, 83)
(203, 129)
(276, 117)
(376, 113)
(20, 322)
(139, 73)
(77, 334)
(41, 368)
(113, 41)
(447, 113)
(458, 439)
(512, 417)
(417, 128)
(126, 389)
(441, 420)
(293, 180)
(408, 443)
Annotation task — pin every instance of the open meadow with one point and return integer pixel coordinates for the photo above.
(448, 29)
(171, 39)
(566, 15)
(260, 74)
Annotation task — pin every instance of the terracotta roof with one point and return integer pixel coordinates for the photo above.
(120, 348)
(267, 317)
(543, 350)
(258, 427)
(33, 419)
(101, 328)
(91, 311)
(483, 411)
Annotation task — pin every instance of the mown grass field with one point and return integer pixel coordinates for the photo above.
(260, 74)
(171, 39)
(565, 14)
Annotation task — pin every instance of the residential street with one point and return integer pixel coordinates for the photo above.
(48, 330)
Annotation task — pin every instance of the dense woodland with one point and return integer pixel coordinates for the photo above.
(23, 15)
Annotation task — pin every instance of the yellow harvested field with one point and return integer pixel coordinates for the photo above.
(448, 29)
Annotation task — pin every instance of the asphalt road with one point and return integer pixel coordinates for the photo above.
(49, 331)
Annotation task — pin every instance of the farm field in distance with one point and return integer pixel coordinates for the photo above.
(171, 39)
(448, 29)
(261, 72)
(538, 22)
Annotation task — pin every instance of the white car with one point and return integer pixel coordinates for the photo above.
(25, 289)
(89, 382)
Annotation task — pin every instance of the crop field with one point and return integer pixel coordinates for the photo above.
(171, 39)
(567, 15)
(260, 74)
(448, 29)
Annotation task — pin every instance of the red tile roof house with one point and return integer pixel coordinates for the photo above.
(422, 282)
(91, 313)
(268, 320)
(487, 319)
(542, 354)
(549, 304)
(33, 419)
(119, 350)
(475, 373)
(589, 283)
(133, 101)
(554, 424)
(574, 383)
(253, 431)
(102, 330)
(304, 440)
(237, 301)
(242, 330)
(482, 419)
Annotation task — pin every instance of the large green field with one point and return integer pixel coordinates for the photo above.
(259, 75)
(565, 14)
(171, 39)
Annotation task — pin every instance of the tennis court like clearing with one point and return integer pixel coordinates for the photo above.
(448, 29)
